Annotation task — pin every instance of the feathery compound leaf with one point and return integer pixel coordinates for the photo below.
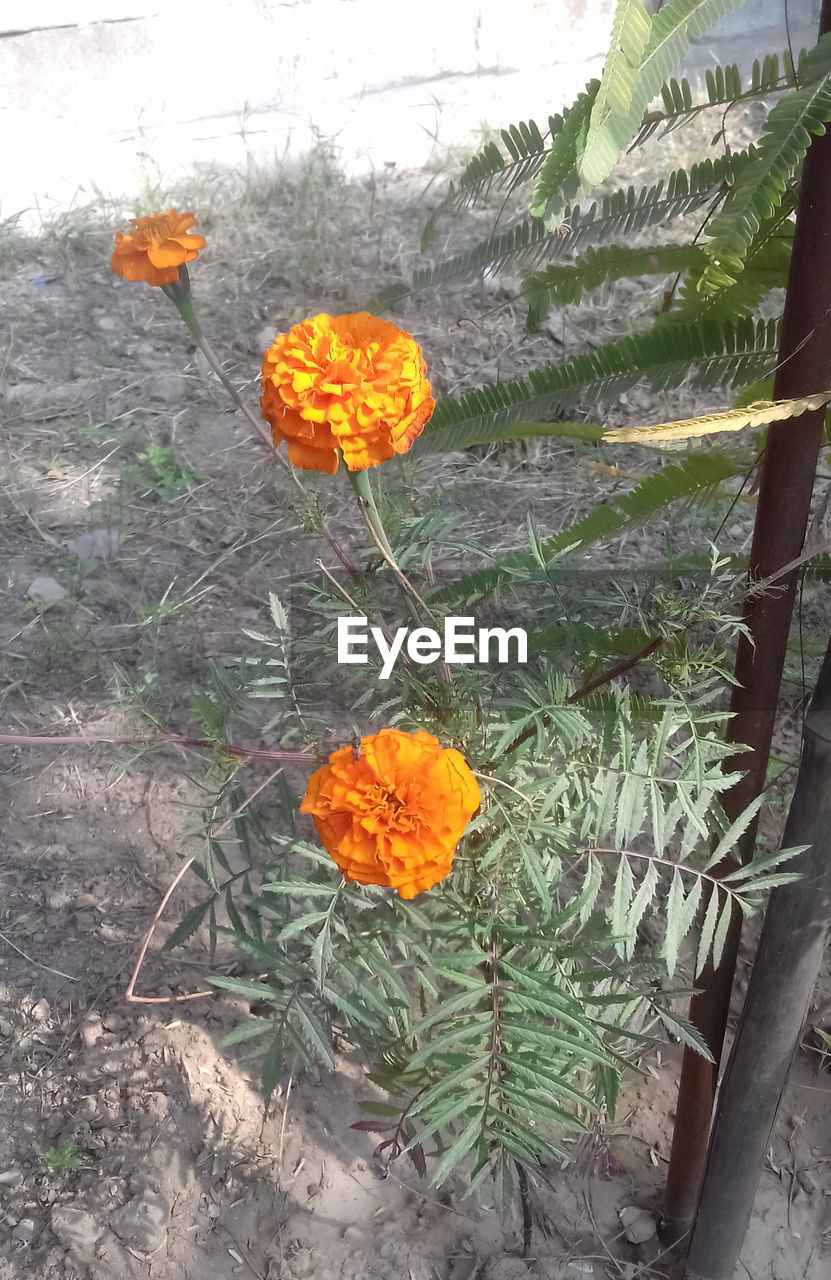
(766, 267)
(680, 914)
(558, 181)
(188, 925)
(621, 898)
(465, 436)
(758, 414)
(639, 78)
(640, 903)
(724, 85)
(668, 355)
(730, 838)
(618, 84)
(557, 286)
(624, 212)
(705, 940)
(759, 189)
(526, 149)
(694, 477)
(720, 935)
(684, 1030)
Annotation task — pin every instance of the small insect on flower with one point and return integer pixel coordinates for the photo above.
(356, 748)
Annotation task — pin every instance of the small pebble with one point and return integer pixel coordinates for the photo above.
(41, 1011)
(638, 1226)
(25, 1231)
(46, 589)
(91, 1030)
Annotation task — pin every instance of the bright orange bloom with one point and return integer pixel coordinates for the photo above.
(157, 248)
(394, 815)
(354, 383)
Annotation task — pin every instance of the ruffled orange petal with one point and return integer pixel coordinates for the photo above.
(308, 458)
(158, 246)
(394, 815)
(355, 381)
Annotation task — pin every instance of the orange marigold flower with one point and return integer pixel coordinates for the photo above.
(351, 383)
(393, 813)
(157, 248)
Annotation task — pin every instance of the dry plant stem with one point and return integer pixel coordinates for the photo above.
(208, 352)
(376, 617)
(372, 519)
(338, 550)
(180, 295)
(246, 802)
(58, 973)
(148, 938)
(383, 547)
(163, 740)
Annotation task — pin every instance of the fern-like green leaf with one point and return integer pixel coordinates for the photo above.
(464, 436)
(693, 478)
(618, 87)
(724, 86)
(557, 286)
(558, 178)
(760, 187)
(525, 149)
(707, 354)
(766, 267)
(639, 79)
(527, 244)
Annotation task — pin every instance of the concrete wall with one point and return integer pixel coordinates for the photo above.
(110, 93)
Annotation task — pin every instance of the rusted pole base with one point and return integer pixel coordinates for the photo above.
(784, 974)
(786, 487)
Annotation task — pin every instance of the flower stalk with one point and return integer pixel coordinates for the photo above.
(182, 299)
(372, 519)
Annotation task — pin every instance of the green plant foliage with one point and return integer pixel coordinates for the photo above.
(637, 70)
(625, 212)
(759, 190)
(525, 148)
(498, 1010)
(766, 267)
(695, 478)
(618, 86)
(729, 355)
(493, 1029)
(557, 286)
(724, 86)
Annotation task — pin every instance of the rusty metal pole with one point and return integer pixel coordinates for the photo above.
(786, 486)
(785, 972)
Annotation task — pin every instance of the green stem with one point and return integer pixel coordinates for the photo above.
(366, 505)
(180, 295)
(182, 299)
(366, 502)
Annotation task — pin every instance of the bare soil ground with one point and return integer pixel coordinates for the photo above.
(131, 1144)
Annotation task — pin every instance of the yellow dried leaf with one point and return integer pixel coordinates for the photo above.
(755, 415)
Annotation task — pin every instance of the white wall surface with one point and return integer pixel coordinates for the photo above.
(109, 93)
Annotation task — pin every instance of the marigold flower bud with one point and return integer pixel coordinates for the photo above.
(157, 248)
